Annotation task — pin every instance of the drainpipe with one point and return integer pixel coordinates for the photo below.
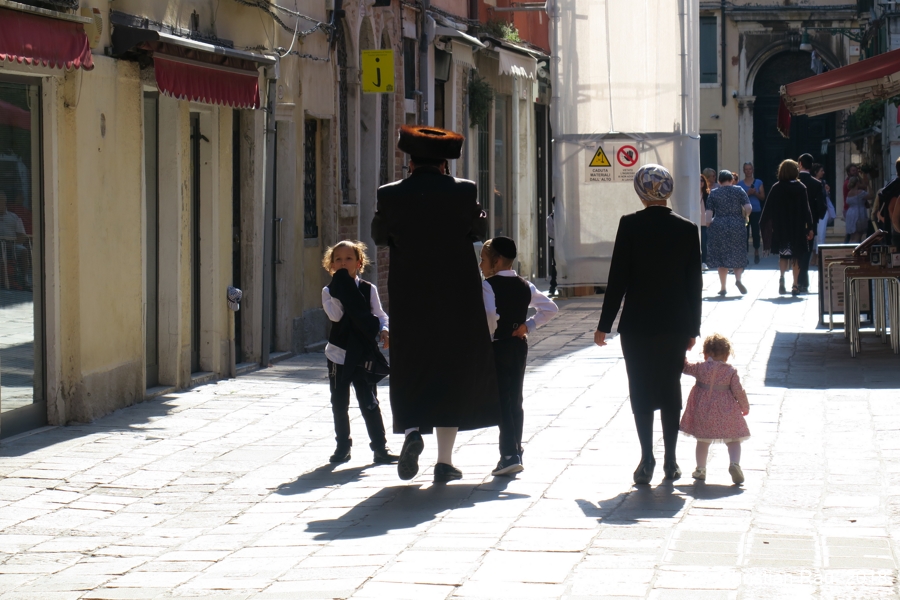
(514, 157)
(268, 216)
(724, 58)
(424, 75)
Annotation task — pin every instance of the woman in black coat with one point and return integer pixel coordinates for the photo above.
(442, 363)
(656, 269)
(786, 222)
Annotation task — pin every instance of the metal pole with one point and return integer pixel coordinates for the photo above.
(268, 215)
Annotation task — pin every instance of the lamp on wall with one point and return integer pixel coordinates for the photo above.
(804, 42)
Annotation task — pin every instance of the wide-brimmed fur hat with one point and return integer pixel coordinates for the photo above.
(430, 142)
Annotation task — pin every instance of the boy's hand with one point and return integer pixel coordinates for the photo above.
(600, 338)
(521, 332)
(385, 339)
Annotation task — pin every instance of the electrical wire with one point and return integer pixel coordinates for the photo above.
(293, 39)
(269, 9)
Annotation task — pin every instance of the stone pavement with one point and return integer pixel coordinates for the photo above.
(224, 491)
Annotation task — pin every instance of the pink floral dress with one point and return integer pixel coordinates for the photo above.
(713, 411)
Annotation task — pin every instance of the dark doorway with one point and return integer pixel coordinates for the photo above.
(151, 181)
(236, 225)
(540, 120)
(195, 242)
(709, 151)
(807, 133)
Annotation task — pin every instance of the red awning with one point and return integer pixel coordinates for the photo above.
(13, 116)
(35, 40)
(874, 78)
(205, 82)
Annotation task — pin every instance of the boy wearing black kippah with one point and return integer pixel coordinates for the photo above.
(507, 298)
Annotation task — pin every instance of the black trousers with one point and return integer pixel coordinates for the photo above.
(366, 396)
(510, 355)
(803, 259)
(551, 253)
(753, 225)
(704, 237)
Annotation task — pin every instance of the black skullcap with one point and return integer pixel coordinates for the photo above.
(504, 246)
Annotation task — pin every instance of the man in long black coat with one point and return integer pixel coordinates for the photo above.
(818, 206)
(442, 363)
(656, 269)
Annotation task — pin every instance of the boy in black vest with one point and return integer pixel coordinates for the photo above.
(507, 298)
(353, 356)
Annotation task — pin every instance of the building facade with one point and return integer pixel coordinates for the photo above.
(156, 153)
(748, 51)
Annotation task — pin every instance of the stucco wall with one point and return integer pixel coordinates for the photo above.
(100, 238)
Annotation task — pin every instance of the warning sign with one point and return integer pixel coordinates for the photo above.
(600, 159)
(627, 156)
(601, 170)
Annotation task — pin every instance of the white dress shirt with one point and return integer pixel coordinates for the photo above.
(545, 308)
(335, 311)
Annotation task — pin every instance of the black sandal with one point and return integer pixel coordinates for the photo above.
(781, 289)
(795, 291)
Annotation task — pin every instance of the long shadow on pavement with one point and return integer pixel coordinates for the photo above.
(330, 475)
(701, 490)
(405, 507)
(640, 504)
(821, 360)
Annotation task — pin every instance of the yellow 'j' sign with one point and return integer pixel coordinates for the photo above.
(377, 71)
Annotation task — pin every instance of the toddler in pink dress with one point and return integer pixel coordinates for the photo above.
(716, 406)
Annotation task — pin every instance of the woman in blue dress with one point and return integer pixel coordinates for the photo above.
(757, 194)
(729, 207)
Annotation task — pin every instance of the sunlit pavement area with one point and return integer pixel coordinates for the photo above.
(224, 491)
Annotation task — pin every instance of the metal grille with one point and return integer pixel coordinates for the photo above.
(310, 184)
(343, 116)
(385, 137)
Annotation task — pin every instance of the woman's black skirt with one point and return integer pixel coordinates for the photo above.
(654, 363)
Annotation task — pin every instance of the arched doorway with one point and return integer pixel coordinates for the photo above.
(807, 133)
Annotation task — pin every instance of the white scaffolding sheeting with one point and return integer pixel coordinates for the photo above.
(625, 79)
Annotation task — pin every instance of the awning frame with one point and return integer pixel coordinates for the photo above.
(45, 12)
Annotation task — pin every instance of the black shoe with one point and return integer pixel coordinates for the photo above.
(804, 289)
(383, 456)
(781, 289)
(670, 468)
(756, 259)
(444, 473)
(341, 455)
(508, 466)
(795, 291)
(644, 473)
(408, 463)
(741, 287)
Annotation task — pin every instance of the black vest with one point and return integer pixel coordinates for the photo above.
(340, 331)
(512, 296)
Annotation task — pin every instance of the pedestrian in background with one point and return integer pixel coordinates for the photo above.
(440, 381)
(727, 210)
(815, 193)
(756, 193)
(889, 199)
(551, 243)
(857, 218)
(710, 176)
(655, 267)
(716, 406)
(507, 298)
(786, 223)
(353, 306)
(818, 171)
(852, 170)
(704, 194)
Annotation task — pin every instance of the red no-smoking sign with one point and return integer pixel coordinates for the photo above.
(627, 156)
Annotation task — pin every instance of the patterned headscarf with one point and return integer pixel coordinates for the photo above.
(653, 183)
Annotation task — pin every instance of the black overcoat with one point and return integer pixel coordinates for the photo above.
(656, 269)
(786, 219)
(442, 363)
